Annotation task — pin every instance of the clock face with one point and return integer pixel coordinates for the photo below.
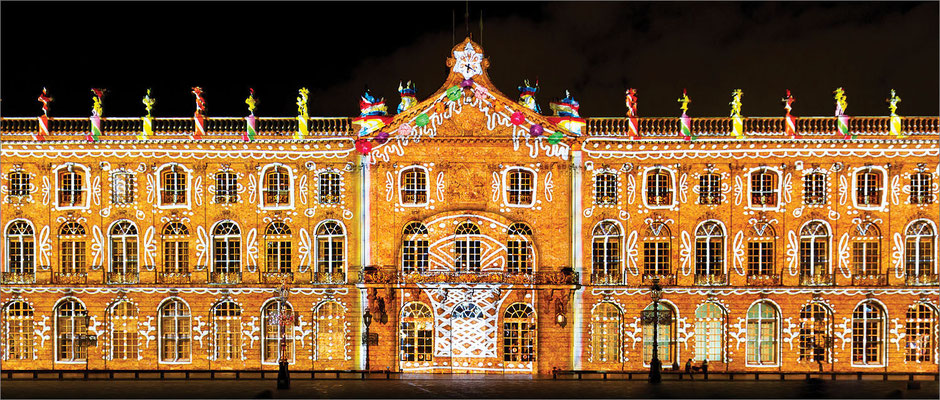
(468, 62)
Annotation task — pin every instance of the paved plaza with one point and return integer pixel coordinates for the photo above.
(465, 388)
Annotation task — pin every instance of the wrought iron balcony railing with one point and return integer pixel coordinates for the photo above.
(225, 277)
(606, 278)
(277, 277)
(70, 278)
(175, 277)
(869, 279)
(326, 277)
(18, 278)
(711, 279)
(389, 275)
(817, 279)
(764, 279)
(665, 279)
(123, 277)
(922, 280)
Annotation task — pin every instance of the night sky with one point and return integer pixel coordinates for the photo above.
(595, 50)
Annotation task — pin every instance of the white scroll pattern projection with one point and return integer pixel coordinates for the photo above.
(470, 329)
(492, 237)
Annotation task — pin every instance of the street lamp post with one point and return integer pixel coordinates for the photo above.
(656, 292)
(283, 321)
(367, 320)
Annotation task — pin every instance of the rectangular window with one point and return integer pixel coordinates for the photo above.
(659, 188)
(122, 188)
(865, 258)
(921, 188)
(70, 189)
(868, 186)
(329, 188)
(73, 257)
(606, 257)
(415, 256)
(708, 256)
(605, 189)
(21, 256)
(176, 257)
(814, 189)
(764, 188)
(414, 189)
(519, 183)
(813, 257)
(277, 187)
(277, 257)
(468, 255)
(226, 188)
(329, 255)
(19, 184)
(760, 258)
(174, 187)
(176, 338)
(518, 257)
(227, 256)
(709, 189)
(656, 258)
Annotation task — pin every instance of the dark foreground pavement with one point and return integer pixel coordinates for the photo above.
(464, 388)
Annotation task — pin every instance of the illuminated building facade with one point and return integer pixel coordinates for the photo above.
(479, 234)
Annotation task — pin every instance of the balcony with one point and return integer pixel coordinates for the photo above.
(18, 278)
(277, 277)
(867, 279)
(606, 278)
(387, 276)
(664, 279)
(818, 279)
(764, 279)
(225, 277)
(122, 277)
(711, 279)
(70, 278)
(921, 280)
(329, 278)
(175, 277)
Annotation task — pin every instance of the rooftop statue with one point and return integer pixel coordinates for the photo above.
(370, 106)
(408, 99)
(527, 96)
(566, 107)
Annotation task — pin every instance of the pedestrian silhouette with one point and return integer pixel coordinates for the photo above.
(688, 369)
(705, 368)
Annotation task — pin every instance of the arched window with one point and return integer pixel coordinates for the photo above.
(20, 184)
(331, 331)
(760, 251)
(18, 319)
(21, 252)
(659, 187)
(814, 188)
(173, 185)
(329, 184)
(414, 248)
(226, 187)
(123, 240)
(605, 333)
(605, 189)
(762, 329)
(657, 251)
(71, 323)
(122, 187)
(226, 253)
(72, 253)
(278, 333)
(607, 241)
(123, 319)
(921, 188)
(815, 333)
(764, 188)
(868, 190)
(175, 237)
(709, 188)
(71, 188)
(227, 323)
(665, 337)
(709, 254)
(868, 331)
(277, 249)
(519, 333)
(519, 257)
(467, 247)
(710, 332)
(520, 186)
(866, 249)
(920, 335)
(814, 254)
(331, 242)
(175, 332)
(276, 186)
(918, 253)
(417, 333)
(414, 186)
